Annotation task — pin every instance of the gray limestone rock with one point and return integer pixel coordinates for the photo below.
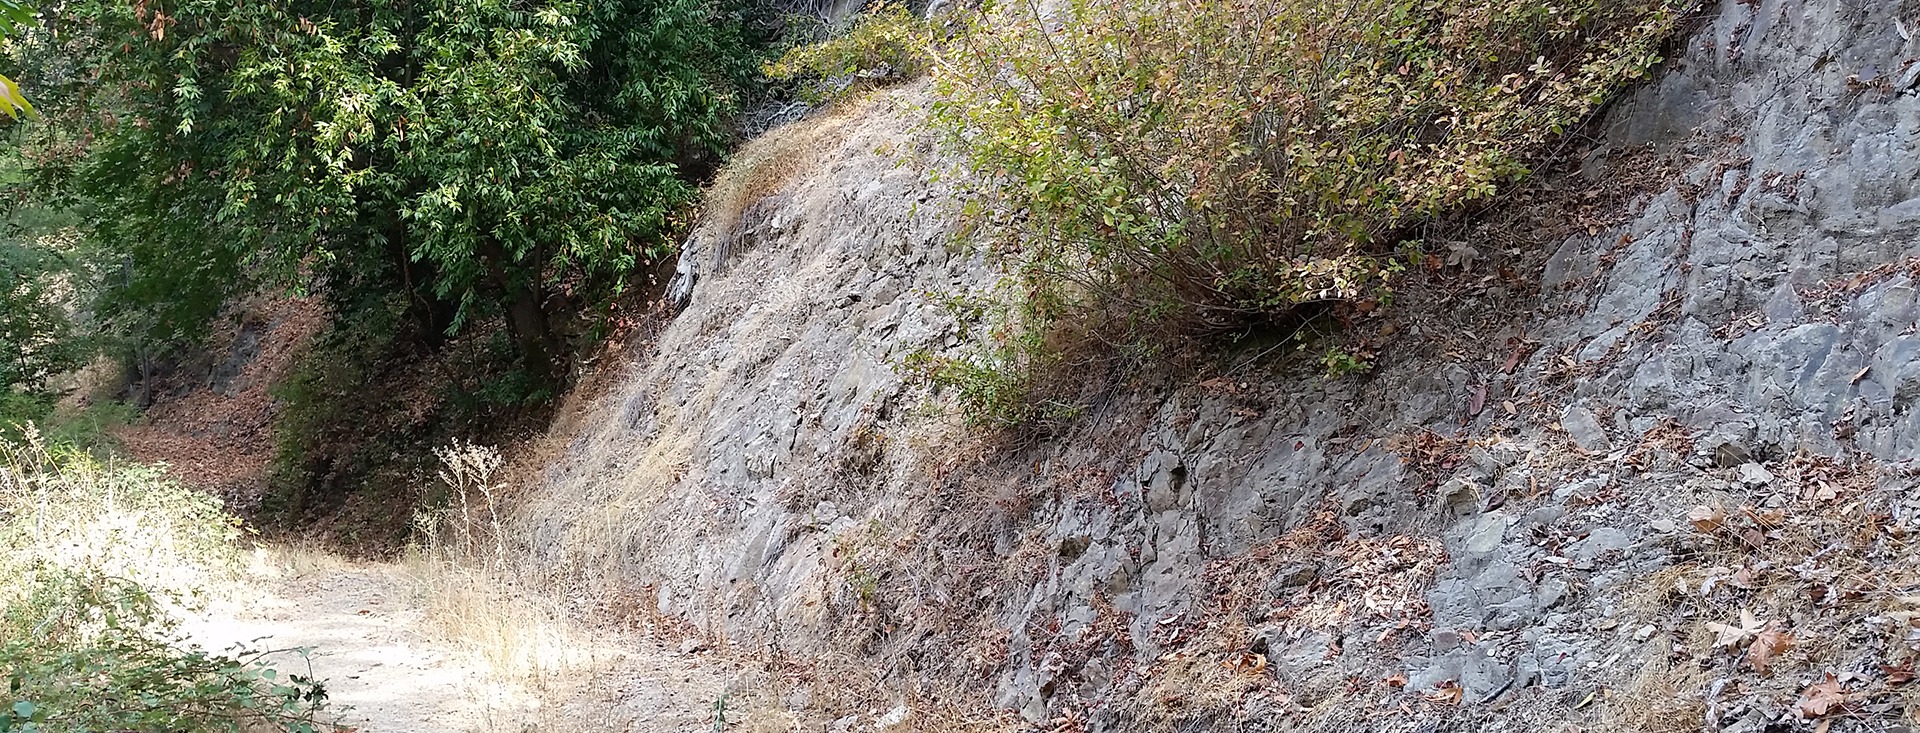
(1585, 430)
(1754, 474)
(1736, 307)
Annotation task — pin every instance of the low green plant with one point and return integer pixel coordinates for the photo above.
(1341, 362)
(21, 408)
(720, 714)
(994, 389)
(89, 652)
(91, 427)
(884, 45)
(1153, 172)
(97, 557)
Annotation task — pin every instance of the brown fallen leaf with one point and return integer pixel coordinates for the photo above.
(1246, 663)
(1768, 645)
(1822, 698)
(1397, 680)
(1732, 636)
(1769, 518)
(1898, 675)
(1743, 578)
(1446, 693)
(1520, 349)
(1707, 518)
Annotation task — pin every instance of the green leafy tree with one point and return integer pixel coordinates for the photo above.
(37, 335)
(469, 158)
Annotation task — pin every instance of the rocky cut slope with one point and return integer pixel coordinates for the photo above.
(1635, 456)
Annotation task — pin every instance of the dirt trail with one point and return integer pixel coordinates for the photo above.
(366, 626)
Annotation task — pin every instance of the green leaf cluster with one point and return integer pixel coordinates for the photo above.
(14, 15)
(39, 334)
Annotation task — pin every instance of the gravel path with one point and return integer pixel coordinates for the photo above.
(365, 626)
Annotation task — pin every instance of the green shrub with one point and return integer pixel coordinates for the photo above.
(19, 408)
(1200, 166)
(90, 428)
(43, 277)
(884, 45)
(995, 389)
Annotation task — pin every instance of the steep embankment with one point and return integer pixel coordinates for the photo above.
(1666, 387)
(211, 420)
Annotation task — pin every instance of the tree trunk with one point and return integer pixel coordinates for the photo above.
(431, 315)
(528, 322)
(526, 314)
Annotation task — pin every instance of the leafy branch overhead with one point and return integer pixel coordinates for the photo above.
(14, 16)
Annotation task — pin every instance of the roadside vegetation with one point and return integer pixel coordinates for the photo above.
(101, 559)
(471, 189)
(474, 189)
(1153, 175)
(886, 44)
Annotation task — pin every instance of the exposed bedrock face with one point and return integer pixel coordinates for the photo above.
(769, 475)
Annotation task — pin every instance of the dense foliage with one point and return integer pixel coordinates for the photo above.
(40, 336)
(468, 159)
(1169, 168)
(95, 555)
(884, 44)
(92, 653)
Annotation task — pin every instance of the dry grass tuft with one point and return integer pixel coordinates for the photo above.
(1823, 553)
(1662, 696)
(767, 165)
(459, 568)
(63, 509)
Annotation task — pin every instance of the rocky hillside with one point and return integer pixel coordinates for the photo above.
(1635, 455)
